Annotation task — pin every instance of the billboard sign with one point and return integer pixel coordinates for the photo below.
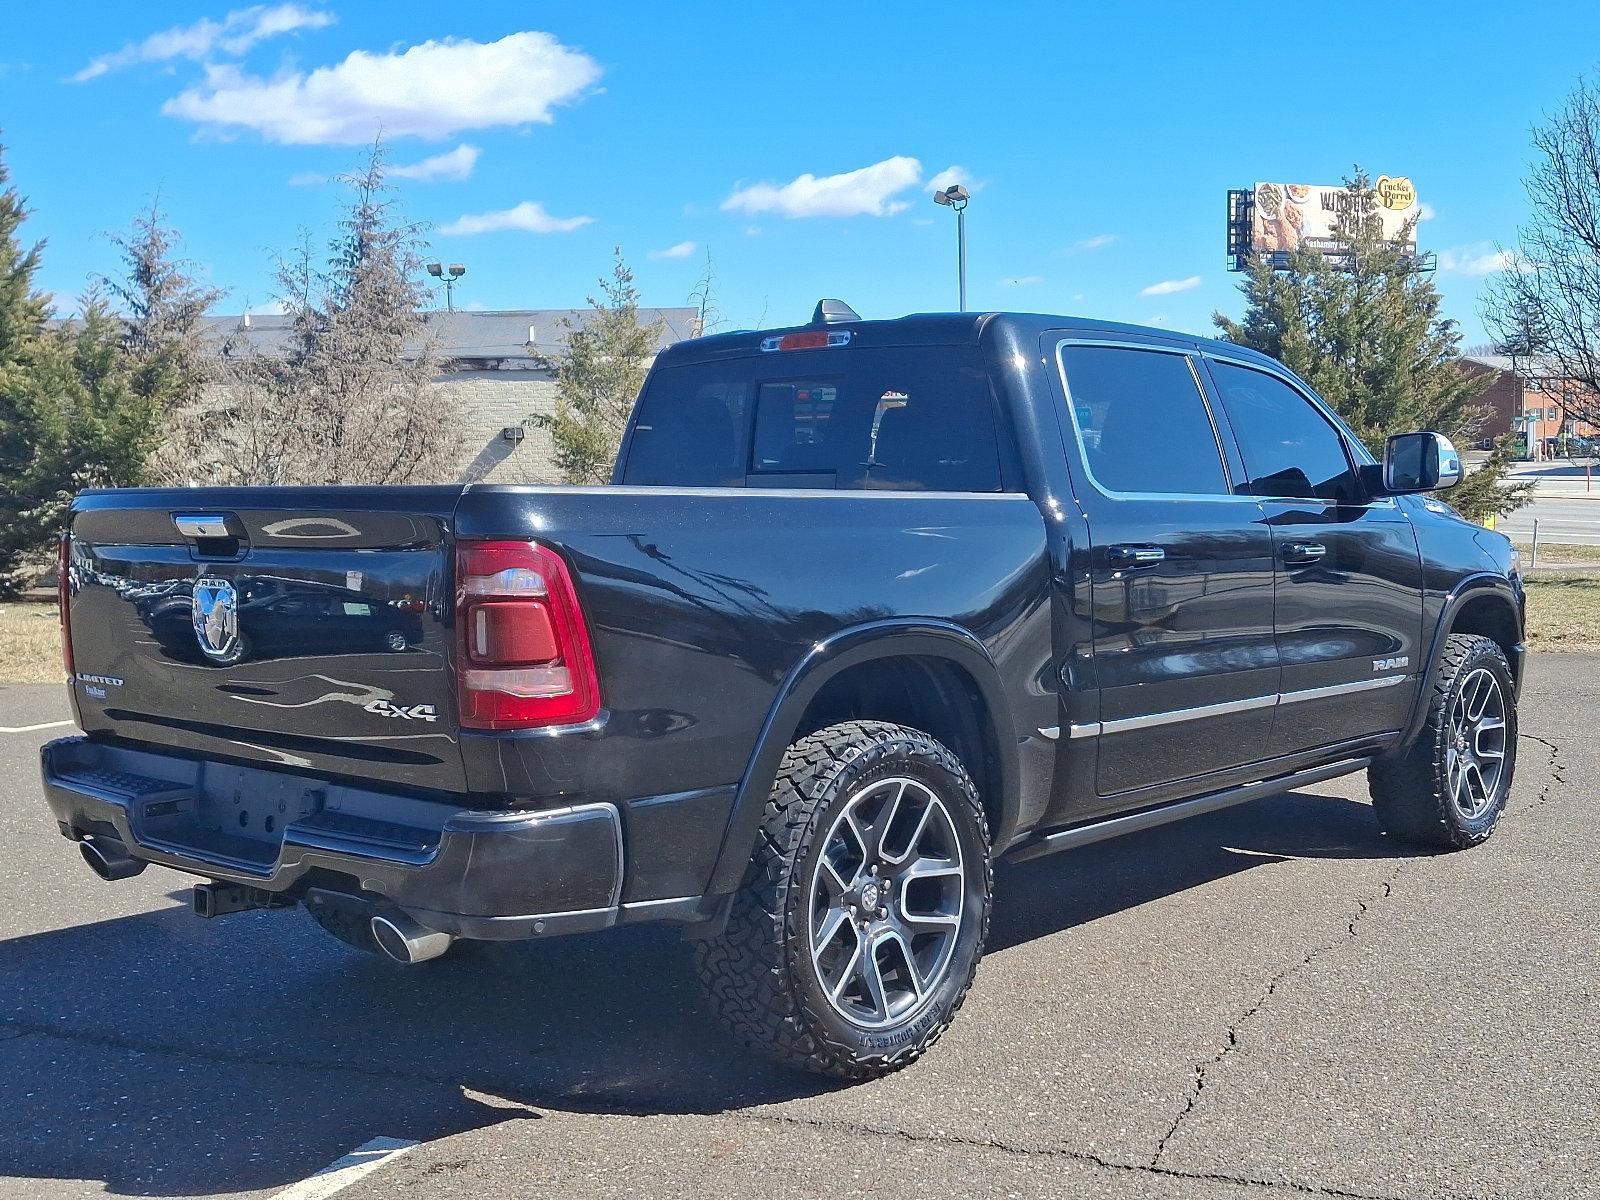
(1284, 217)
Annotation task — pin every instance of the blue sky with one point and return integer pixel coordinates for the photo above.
(1099, 139)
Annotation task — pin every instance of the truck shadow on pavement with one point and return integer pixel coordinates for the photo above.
(161, 1053)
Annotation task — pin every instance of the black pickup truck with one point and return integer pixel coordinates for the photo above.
(870, 605)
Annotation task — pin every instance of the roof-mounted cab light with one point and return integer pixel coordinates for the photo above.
(811, 339)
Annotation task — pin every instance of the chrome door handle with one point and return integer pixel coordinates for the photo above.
(1134, 556)
(1300, 554)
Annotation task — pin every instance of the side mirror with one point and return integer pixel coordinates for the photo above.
(1420, 462)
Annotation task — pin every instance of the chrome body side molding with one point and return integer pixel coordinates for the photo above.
(1200, 713)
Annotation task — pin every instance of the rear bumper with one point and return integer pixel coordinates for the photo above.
(490, 875)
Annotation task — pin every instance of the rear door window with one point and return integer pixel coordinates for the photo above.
(1142, 422)
(917, 419)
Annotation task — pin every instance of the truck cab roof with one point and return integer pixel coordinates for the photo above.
(944, 329)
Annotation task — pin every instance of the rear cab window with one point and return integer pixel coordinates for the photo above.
(907, 419)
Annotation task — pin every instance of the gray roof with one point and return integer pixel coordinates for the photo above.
(517, 333)
(1525, 365)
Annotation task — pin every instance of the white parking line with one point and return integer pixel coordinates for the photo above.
(31, 728)
(336, 1176)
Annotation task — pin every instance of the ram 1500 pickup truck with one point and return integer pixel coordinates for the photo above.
(869, 606)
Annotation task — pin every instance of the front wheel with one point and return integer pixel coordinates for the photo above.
(1449, 788)
(862, 917)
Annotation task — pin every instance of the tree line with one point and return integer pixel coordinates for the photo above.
(142, 388)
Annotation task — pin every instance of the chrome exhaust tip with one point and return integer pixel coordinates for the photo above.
(107, 860)
(405, 941)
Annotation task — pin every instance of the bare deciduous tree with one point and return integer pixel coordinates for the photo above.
(348, 399)
(1548, 303)
(704, 298)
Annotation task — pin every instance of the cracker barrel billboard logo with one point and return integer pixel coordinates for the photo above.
(1395, 192)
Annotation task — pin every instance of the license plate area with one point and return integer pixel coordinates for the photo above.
(230, 813)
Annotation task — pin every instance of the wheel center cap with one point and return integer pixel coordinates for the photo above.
(870, 894)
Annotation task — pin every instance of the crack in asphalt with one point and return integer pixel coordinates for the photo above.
(1079, 1156)
(11, 1028)
(1556, 767)
(1197, 1085)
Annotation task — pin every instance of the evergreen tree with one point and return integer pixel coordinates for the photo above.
(84, 426)
(1363, 328)
(165, 336)
(71, 413)
(599, 372)
(25, 422)
(22, 310)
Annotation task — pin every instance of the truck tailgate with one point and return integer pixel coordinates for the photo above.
(308, 628)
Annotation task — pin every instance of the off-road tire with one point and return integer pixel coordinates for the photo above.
(758, 973)
(1411, 792)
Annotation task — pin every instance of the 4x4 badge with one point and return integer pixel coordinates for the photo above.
(413, 712)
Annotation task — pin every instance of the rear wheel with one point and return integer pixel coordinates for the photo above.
(1450, 787)
(863, 914)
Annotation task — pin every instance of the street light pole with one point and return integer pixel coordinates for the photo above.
(956, 197)
(449, 274)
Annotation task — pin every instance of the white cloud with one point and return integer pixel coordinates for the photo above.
(1480, 258)
(952, 175)
(431, 90)
(1426, 212)
(452, 164)
(307, 179)
(1096, 242)
(1022, 281)
(1167, 286)
(681, 250)
(528, 217)
(233, 35)
(869, 191)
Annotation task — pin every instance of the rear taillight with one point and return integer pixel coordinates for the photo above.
(524, 657)
(64, 599)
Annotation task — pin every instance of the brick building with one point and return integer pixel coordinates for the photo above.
(492, 378)
(1527, 395)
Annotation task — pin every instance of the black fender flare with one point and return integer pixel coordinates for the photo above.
(894, 638)
(1468, 589)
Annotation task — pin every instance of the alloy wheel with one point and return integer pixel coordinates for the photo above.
(886, 902)
(1475, 758)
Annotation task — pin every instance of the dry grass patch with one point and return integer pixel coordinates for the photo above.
(1563, 611)
(1552, 553)
(30, 643)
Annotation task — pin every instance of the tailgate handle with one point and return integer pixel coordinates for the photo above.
(207, 525)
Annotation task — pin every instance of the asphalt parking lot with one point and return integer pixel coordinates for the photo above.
(1265, 1001)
